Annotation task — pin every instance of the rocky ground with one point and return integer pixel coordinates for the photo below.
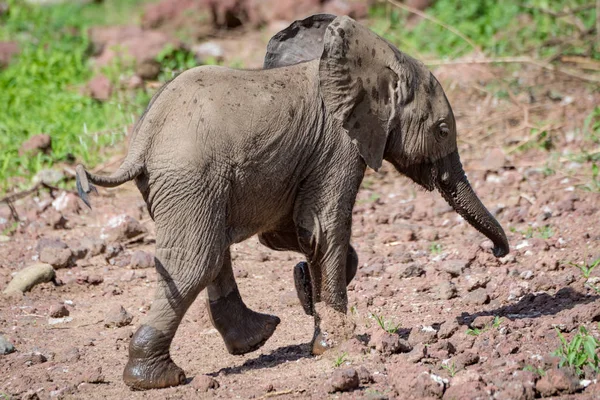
(437, 316)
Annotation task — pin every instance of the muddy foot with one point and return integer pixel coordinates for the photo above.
(150, 365)
(242, 329)
(303, 287)
(332, 328)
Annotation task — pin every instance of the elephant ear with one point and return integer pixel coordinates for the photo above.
(299, 42)
(363, 80)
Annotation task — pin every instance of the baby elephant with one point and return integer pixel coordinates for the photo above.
(223, 154)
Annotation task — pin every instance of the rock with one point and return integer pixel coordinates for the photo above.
(448, 329)
(526, 275)
(33, 358)
(7, 51)
(122, 227)
(93, 375)
(40, 143)
(494, 160)
(95, 246)
(454, 268)
(412, 270)
(429, 234)
(343, 380)
(445, 290)
(364, 376)
(141, 259)
(418, 353)
(353, 8)
(70, 355)
(129, 44)
(48, 176)
(57, 257)
(557, 381)
(389, 343)
(50, 242)
(477, 297)
(373, 267)
(30, 276)
(117, 317)
(58, 311)
(465, 359)
(148, 69)
(422, 334)
(112, 250)
(482, 321)
(406, 235)
(55, 219)
(135, 82)
(207, 51)
(100, 88)
(204, 383)
(466, 391)
(67, 202)
(476, 281)
(426, 385)
(6, 347)
(158, 13)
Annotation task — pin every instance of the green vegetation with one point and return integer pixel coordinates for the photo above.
(41, 88)
(435, 248)
(580, 353)
(340, 359)
(496, 323)
(585, 268)
(538, 371)
(542, 232)
(387, 326)
(450, 368)
(498, 29)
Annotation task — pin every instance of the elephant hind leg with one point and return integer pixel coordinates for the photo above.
(182, 275)
(242, 329)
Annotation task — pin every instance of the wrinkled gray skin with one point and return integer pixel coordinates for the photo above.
(222, 154)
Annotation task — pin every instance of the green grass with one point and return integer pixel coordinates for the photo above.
(435, 248)
(535, 370)
(496, 323)
(499, 29)
(450, 368)
(542, 232)
(41, 88)
(579, 353)
(340, 360)
(585, 268)
(387, 326)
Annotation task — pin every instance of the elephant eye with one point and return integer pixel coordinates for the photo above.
(444, 130)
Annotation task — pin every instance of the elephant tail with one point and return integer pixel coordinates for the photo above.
(85, 179)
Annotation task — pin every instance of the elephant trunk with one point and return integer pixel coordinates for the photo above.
(455, 188)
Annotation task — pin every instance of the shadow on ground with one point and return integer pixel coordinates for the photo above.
(535, 305)
(276, 357)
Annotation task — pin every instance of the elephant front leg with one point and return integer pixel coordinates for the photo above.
(303, 281)
(242, 329)
(328, 271)
(287, 240)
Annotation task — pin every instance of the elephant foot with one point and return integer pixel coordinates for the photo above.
(332, 328)
(303, 286)
(242, 329)
(150, 365)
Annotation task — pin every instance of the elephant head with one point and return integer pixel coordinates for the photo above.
(390, 105)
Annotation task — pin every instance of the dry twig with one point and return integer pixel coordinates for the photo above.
(518, 59)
